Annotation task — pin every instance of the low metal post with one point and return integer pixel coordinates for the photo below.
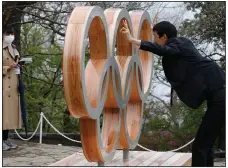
(125, 154)
(41, 126)
(100, 164)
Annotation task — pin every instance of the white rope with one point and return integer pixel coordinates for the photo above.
(32, 134)
(58, 131)
(170, 150)
(42, 115)
(183, 145)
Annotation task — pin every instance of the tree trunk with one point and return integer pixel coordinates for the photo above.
(66, 120)
(12, 16)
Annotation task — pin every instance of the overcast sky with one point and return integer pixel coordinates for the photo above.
(175, 12)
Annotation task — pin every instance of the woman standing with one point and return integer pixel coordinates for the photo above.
(11, 101)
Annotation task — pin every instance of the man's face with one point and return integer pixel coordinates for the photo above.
(160, 40)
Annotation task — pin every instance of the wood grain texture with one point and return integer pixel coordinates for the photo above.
(142, 30)
(141, 158)
(70, 160)
(136, 158)
(162, 159)
(87, 87)
(82, 97)
(132, 117)
(185, 160)
(120, 48)
(173, 159)
(114, 83)
(149, 160)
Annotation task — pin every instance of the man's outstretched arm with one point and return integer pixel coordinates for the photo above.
(167, 50)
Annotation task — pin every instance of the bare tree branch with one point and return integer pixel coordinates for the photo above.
(52, 28)
(210, 55)
(163, 102)
(42, 18)
(41, 80)
(42, 54)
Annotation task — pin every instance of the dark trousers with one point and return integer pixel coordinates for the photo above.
(210, 127)
(5, 134)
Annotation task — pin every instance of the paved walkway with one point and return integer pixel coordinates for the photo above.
(35, 154)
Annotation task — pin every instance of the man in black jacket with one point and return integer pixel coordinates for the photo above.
(195, 79)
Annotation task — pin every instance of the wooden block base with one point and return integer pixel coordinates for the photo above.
(136, 158)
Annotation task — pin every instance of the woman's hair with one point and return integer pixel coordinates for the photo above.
(167, 28)
(8, 30)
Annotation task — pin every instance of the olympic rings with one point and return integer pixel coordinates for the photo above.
(115, 81)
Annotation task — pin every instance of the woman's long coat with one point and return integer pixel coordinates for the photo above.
(11, 114)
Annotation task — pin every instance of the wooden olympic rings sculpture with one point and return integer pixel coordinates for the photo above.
(114, 82)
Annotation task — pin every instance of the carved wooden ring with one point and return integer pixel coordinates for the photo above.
(141, 30)
(112, 82)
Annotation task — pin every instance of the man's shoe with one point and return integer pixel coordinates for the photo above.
(10, 144)
(5, 147)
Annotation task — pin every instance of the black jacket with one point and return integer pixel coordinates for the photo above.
(190, 75)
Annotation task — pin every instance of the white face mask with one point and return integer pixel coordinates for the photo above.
(9, 39)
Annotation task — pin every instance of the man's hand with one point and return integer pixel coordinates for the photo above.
(125, 31)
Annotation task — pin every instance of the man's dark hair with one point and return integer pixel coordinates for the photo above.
(9, 30)
(167, 28)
